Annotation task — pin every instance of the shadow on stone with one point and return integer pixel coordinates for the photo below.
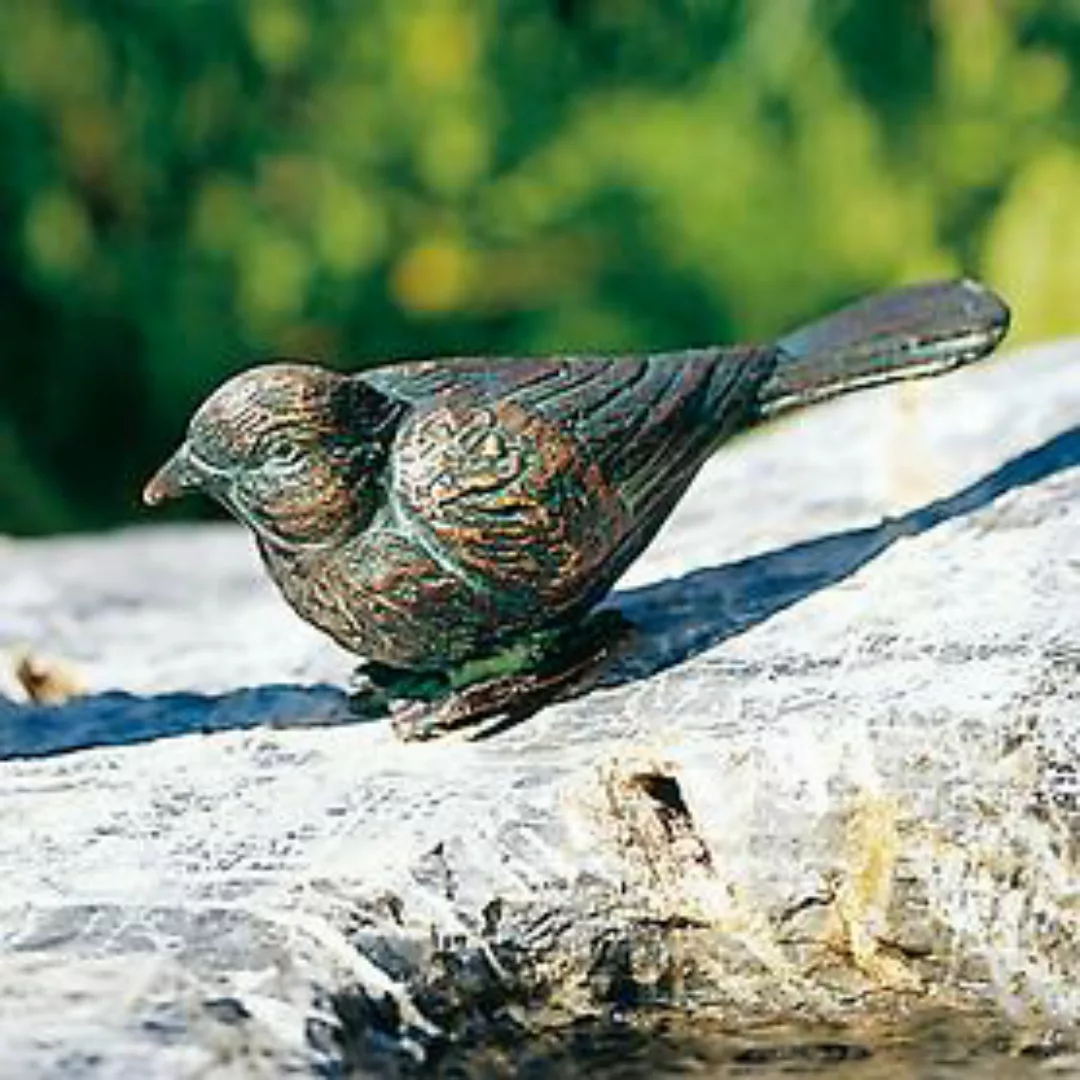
(680, 618)
(675, 620)
(121, 719)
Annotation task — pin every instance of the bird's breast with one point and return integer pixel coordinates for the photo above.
(383, 596)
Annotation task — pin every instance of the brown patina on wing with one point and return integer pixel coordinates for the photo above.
(548, 476)
(507, 496)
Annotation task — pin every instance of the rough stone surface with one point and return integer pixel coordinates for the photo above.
(836, 774)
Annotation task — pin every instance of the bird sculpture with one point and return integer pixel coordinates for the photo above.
(455, 521)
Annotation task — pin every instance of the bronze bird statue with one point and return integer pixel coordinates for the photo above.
(454, 521)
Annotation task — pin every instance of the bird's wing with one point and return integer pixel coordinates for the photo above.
(534, 474)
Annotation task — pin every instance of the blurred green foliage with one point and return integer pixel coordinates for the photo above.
(190, 185)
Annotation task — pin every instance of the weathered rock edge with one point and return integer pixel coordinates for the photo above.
(837, 777)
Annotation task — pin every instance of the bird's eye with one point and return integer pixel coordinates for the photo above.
(281, 453)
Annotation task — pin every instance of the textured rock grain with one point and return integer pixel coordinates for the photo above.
(836, 774)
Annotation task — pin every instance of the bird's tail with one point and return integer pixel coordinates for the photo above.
(907, 333)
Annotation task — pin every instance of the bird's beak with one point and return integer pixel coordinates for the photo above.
(176, 477)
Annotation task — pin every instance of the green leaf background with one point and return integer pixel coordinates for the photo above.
(193, 185)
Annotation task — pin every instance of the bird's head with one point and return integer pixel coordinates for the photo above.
(274, 445)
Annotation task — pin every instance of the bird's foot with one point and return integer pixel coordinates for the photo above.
(491, 693)
(378, 689)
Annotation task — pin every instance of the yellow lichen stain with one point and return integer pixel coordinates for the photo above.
(864, 893)
(45, 681)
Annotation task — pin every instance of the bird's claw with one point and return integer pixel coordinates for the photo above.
(491, 705)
